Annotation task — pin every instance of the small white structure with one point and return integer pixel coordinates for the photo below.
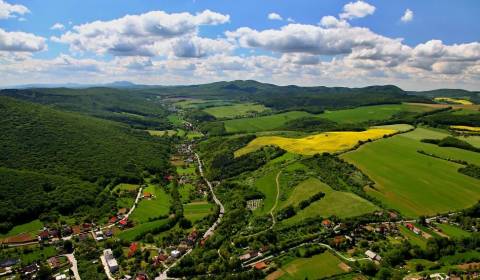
(99, 235)
(176, 253)
(111, 261)
(61, 277)
(373, 256)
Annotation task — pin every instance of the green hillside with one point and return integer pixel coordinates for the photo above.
(56, 161)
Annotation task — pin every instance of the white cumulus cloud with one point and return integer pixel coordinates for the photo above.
(21, 42)
(57, 26)
(8, 10)
(407, 16)
(357, 9)
(274, 16)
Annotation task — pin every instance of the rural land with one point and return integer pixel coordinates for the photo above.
(237, 180)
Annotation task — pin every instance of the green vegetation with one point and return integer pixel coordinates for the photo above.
(335, 203)
(157, 206)
(125, 187)
(236, 110)
(318, 266)
(197, 210)
(413, 238)
(263, 123)
(453, 231)
(409, 181)
(30, 227)
(141, 230)
(268, 186)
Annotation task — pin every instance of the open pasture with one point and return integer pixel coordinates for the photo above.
(268, 186)
(263, 123)
(372, 113)
(131, 233)
(235, 110)
(413, 183)
(331, 142)
(151, 208)
(30, 228)
(197, 210)
(338, 203)
(315, 267)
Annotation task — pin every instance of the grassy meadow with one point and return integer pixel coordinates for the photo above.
(331, 142)
(268, 186)
(413, 183)
(369, 113)
(235, 110)
(31, 227)
(453, 231)
(197, 210)
(315, 267)
(151, 208)
(340, 204)
(131, 233)
(263, 123)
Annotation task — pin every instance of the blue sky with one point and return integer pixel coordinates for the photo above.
(361, 43)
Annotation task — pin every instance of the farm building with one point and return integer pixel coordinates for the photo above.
(111, 261)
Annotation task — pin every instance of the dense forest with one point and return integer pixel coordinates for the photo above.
(64, 153)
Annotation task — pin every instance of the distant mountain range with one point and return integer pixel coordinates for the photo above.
(117, 84)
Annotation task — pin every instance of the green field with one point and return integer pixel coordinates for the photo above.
(236, 110)
(369, 113)
(131, 233)
(453, 231)
(197, 210)
(188, 170)
(184, 191)
(340, 204)
(157, 206)
(126, 187)
(315, 267)
(268, 186)
(201, 103)
(175, 120)
(412, 237)
(31, 227)
(263, 123)
(474, 140)
(125, 202)
(413, 183)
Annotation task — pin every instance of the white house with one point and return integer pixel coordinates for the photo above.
(111, 261)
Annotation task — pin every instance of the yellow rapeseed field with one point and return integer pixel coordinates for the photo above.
(324, 142)
(464, 127)
(453, 100)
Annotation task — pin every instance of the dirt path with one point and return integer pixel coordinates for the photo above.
(277, 181)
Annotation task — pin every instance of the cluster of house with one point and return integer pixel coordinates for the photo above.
(176, 251)
(413, 228)
(444, 276)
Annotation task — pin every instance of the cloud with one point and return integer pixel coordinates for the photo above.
(331, 21)
(407, 16)
(21, 42)
(57, 26)
(199, 47)
(138, 35)
(8, 10)
(274, 16)
(357, 9)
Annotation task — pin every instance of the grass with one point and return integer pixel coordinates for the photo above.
(315, 267)
(184, 191)
(30, 227)
(126, 187)
(125, 202)
(264, 123)
(473, 140)
(186, 171)
(175, 120)
(461, 257)
(413, 183)
(157, 206)
(369, 113)
(235, 110)
(340, 204)
(194, 134)
(331, 142)
(197, 210)
(268, 186)
(131, 233)
(453, 100)
(453, 231)
(412, 237)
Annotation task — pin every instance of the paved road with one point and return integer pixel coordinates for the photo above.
(73, 261)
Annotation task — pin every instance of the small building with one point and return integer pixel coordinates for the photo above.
(147, 195)
(43, 236)
(439, 276)
(111, 261)
(61, 277)
(112, 220)
(372, 255)
(176, 253)
(132, 249)
(53, 262)
(99, 236)
(260, 266)
(326, 223)
(122, 211)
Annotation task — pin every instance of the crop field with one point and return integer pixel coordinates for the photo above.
(315, 267)
(465, 128)
(151, 208)
(131, 233)
(340, 204)
(271, 122)
(201, 103)
(184, 191)
(453, 231)
(369, 113)
(197, 210)
(235, 110)
(453, 100)
(331, 142)
(413, 183)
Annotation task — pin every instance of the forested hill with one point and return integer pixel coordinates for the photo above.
(58, 161)
(313, 99)
(41, 139)
(136, 109)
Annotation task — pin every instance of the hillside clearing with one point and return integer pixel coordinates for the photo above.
(235, 110)
(157, 206)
